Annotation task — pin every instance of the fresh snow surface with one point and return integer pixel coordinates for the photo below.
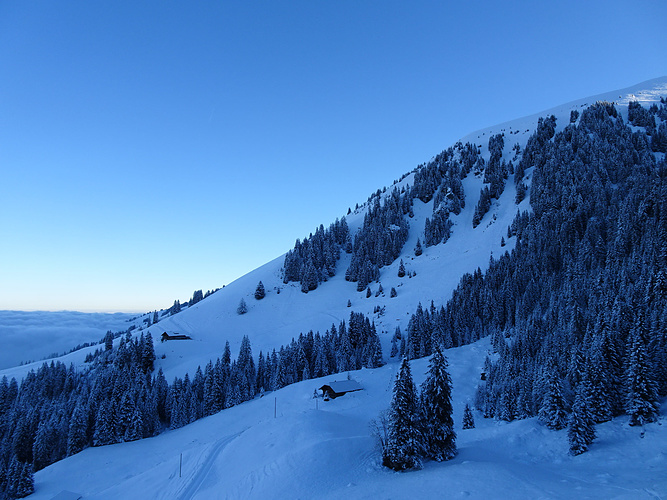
(324, 449)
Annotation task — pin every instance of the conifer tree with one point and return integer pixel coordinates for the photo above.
(581, 430)
(242, 308)
(108, 341)
(642, 399)
(404, 437)
(401, 269)
(394, 343)
(260, 292)
(76, 438)
(26, 481)
(468, 418)
(439, 438)
(552, 411)
(148, 353)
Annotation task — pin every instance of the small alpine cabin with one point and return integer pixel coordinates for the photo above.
(332, 390)
(175, 336)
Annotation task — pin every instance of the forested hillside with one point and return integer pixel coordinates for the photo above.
(578, 310)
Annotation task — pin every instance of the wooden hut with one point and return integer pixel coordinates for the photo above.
(332, 390)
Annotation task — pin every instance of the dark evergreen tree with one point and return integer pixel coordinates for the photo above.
(108, 341)
(468, 418)
(552, 411)
(581, 430)
(404, 436)
(260, 292)
(77, 438)
(197, 296)
(437, 425)
(401, 269)
(147, 353)
(394, 342)
(242, 307)
(642, 397)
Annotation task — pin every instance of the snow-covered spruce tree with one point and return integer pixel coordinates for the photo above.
(552, 411)
(19, 479)
(260, 292)
(468, 418)
(401, 269)
(242, 308)
(642, 397)
(439, 438)
(76, 437)
(108, 341)
(394, 342)
(372, 351)
(404, 440)
(581, 430)
(418, 248)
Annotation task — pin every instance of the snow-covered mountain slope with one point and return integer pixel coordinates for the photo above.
(327, 451)
(279, 317)
(324, 449)
(286, 312)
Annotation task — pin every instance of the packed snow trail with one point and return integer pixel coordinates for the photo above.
(202, 472)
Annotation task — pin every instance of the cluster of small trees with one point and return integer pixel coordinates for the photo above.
(419, 426)
(440, 180)
(314, 259)
(438, 229)
(380, 240)
(428, 328)
(642, 117)
(495, 175)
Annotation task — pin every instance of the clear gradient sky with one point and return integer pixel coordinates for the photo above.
(150, 149)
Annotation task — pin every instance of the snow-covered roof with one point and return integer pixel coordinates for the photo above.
(341, 386)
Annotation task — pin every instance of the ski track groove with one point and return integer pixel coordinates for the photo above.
(202, 472)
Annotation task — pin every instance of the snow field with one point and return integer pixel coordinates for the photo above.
(318, 449)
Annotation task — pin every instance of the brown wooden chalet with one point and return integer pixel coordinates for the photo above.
(335, 389)
(174, 336)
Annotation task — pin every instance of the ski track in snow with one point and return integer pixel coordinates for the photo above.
(201, 473)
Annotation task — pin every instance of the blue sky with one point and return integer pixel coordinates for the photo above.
(150, 149)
